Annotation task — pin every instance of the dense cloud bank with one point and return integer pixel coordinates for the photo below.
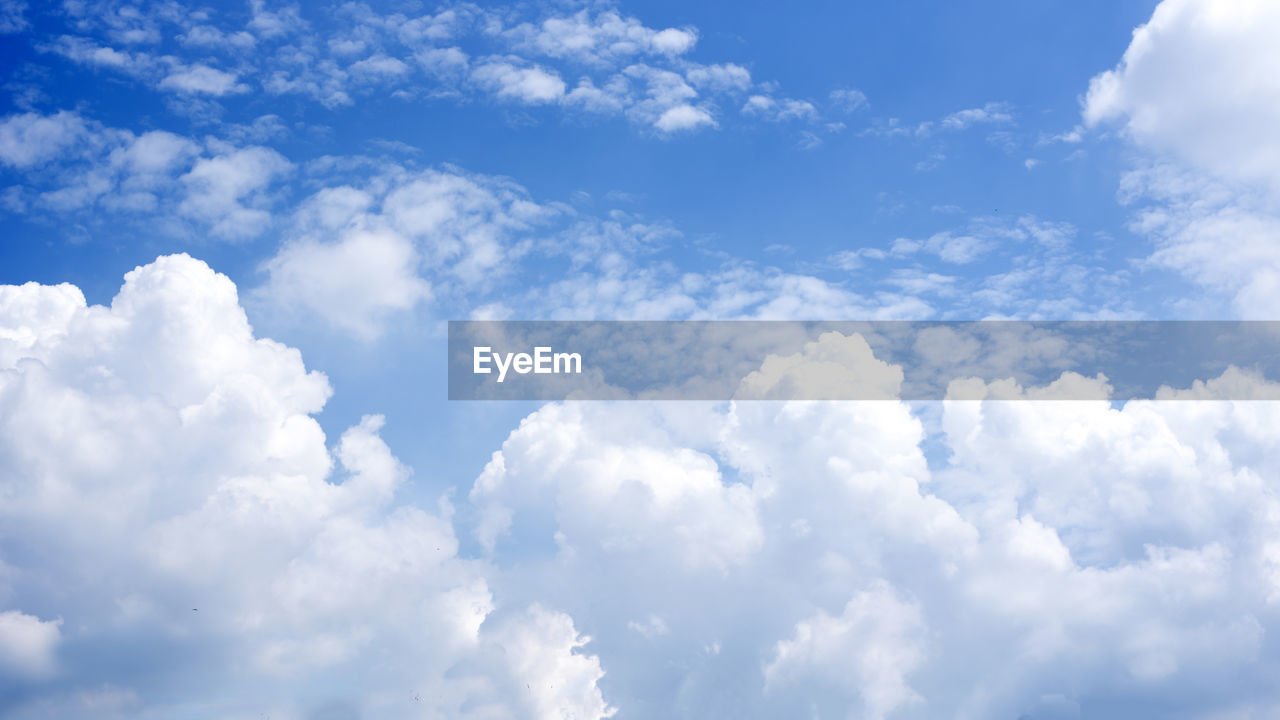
(168, 499)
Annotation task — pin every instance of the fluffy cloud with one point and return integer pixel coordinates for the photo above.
(1055, 557)
(601, 39)
(530, 85)
(30, 139)
(1067, 557)
(1190, 85)
(28, 646)
(223, 190)
(190, 516)
(73, 164)
(202, 80)
(683, 117)
(868, 650)
(353, 283)
(354, 256)
(1190, 93)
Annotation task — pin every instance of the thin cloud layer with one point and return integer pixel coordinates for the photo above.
(339, 54)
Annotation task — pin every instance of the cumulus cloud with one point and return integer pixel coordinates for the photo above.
(188, 506)
(1189, 85)
(793, 557)
(1188, 92)
(866, 651)
(532, 85)
(1067, 555)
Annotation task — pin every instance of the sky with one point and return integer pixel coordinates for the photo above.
(231, 235)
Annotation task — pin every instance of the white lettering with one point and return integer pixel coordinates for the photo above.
(543, 361)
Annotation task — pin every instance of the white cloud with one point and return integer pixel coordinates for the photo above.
(727, 76)
(777, 111)
(673, 41)
(30, 139)
(531, 85)
(203, 80)
(868, 650)
(380, 66)
(353, 283)
(28, 645)
(87, 52)
(848, 99)
(632, 497)
(800, 557)
(1222, 237)
(558, 682)
(356, 256)
(211, 37)
(1109, 556)
(601, 39)
(683, 117)
(991, 113)
(167, 462)
(1192, 84)
(616, 63)
(1190, 94)
(217, 189)
(11, 16)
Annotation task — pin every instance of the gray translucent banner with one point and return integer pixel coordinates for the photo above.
(907, 360)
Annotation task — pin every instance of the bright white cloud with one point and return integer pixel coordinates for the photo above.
(167, 462)
(353, 283)
(601, 39)
(1193, 84)
(683, 117)
(532, 85)
(1106, 555)
(1190, 92)
(866, 651)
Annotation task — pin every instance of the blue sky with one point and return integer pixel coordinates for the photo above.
(179, 183)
